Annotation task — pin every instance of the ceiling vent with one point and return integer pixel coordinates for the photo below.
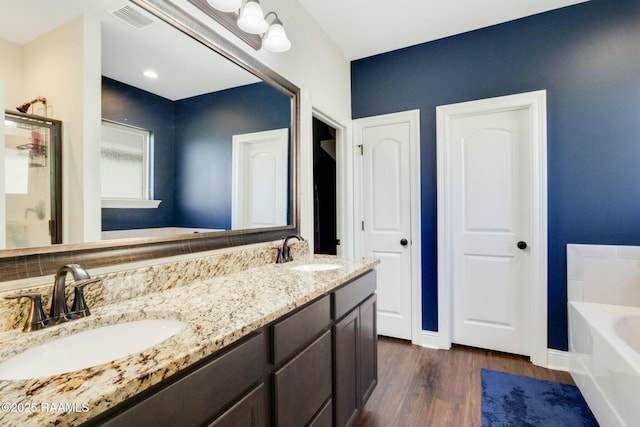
(134, 17)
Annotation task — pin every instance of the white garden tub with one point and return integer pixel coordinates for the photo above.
(604, 342)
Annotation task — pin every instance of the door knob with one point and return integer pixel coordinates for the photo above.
(404, 242)
(522, 245)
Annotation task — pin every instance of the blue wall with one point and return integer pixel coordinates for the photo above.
(204, 128)
(191, 149)
(131, 106)
(587, 57)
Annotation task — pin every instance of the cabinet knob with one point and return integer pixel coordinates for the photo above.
(522, 244)
(404, 242)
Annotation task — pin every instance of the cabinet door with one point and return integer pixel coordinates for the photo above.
(248, 412)
(345, 335)
(303, 386)
(368, 349)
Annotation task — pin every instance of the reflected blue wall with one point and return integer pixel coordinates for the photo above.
(205, 126)
(192, 149)
(131, 106)
(587, 57)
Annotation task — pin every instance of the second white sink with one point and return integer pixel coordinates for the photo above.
(88, 348)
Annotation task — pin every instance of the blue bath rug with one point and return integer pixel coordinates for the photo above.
(517, 401)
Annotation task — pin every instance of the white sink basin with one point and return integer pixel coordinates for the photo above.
(88, 348)
(316, 267)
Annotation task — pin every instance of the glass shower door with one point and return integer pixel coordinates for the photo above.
(32, 181)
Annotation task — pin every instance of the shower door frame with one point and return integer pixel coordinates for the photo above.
(55, 158)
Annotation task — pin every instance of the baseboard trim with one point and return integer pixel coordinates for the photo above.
(428, 339)
(556, 359)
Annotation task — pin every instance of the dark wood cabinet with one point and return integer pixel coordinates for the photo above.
(368, 354)
(248, 412)
(198, 396)
(355, 343)
(302, 387)
(315, 367)
(297, 330)
(345, 342)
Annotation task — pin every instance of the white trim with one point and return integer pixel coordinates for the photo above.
(558, 360)
(413, 117)
(428, 339)
(305, 174)
(114, 203)
(535, 102)
(344, 185)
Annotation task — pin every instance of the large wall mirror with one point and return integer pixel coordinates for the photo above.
(198, 154)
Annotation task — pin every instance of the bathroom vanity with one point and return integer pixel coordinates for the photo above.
(266, 346)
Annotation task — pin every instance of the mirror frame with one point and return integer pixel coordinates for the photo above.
(33, 262)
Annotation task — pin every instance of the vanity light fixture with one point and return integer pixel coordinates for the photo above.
(275, 40)
(226, 5)
(250, 19)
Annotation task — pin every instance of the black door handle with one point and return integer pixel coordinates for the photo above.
(522, 245)
(404, 242)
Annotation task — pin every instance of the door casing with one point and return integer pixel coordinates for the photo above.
(535, 104)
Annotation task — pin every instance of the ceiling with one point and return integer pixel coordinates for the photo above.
(362, 28)
(350, 24)
(185, 68)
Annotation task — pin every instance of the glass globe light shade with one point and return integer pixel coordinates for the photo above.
(251, 19)
(276, 38)
(226, 5)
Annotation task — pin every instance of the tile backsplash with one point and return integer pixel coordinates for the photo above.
(604, 274)
(122, 282)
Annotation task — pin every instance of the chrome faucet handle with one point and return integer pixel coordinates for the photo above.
(80, 307)
(37, 319)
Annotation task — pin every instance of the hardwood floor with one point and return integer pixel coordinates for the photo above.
(419, 387)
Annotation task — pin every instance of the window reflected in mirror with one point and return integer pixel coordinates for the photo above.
(125, 175)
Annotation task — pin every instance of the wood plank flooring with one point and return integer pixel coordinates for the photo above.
(419, 387)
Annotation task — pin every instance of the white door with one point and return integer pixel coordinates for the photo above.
(491, 193)
(260, 179)
(386, 188)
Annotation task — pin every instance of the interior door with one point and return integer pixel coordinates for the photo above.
(260, 179)
(491, 193)
(386, 219)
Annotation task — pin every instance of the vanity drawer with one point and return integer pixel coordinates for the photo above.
(296, 331)
(197, 397)
(248, 412)
(303, 386)
(353, 293)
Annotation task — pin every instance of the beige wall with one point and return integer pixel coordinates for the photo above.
(64, 66)
(11, 72)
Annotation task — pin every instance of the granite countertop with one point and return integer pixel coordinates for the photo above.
(217, 312)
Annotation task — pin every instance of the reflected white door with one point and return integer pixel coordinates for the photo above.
(386, 218)
(491, 219)
(260, 179)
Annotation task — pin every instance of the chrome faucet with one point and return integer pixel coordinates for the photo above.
(59, 311)
(284, 253)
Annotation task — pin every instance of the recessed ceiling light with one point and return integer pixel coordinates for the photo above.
(151, 74)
